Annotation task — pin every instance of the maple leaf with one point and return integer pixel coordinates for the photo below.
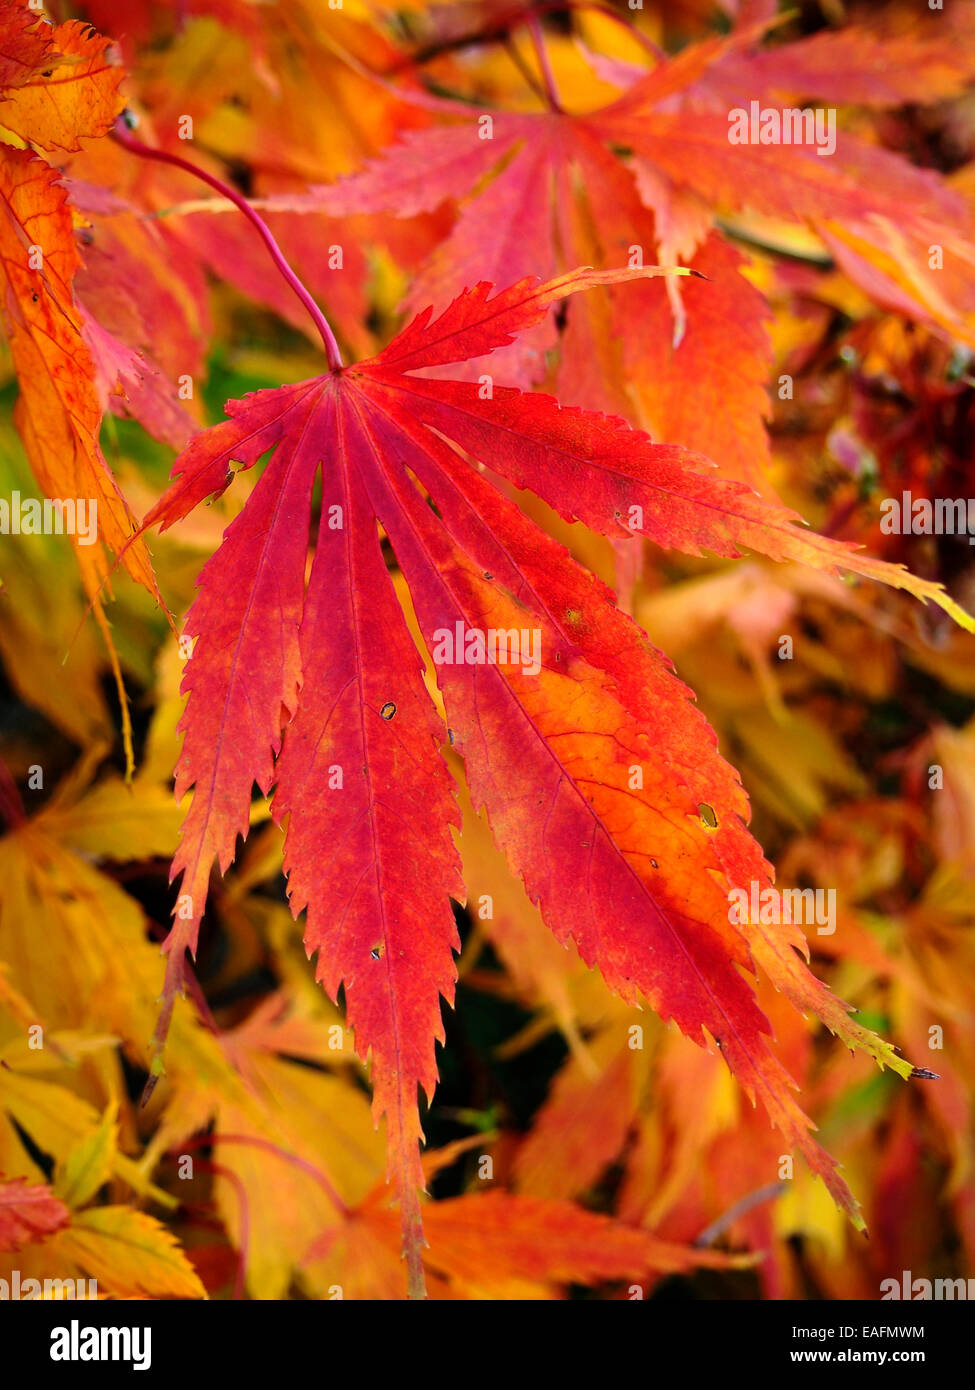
(24, 43)
(42, 611)
(318, 1123)
(29, 1212)
(63, 82)
(130, 1253)
(317, 694)
(142, 324)
(648, 175)
(501, 1245)
(60, 1123)
(58, 413)
(59, 93)
(908, 58)
(585, 1120)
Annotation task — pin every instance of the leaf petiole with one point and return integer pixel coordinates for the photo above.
(125, 138)
(544, 63)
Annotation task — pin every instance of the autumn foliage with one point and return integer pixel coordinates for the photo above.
(476, 431)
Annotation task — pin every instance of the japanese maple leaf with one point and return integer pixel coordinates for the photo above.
(62, 87)
(647, 176)
(602, 782)
(323, 1121)
(62, 82)
(142, 323)
(892, 59)
(28, 1213)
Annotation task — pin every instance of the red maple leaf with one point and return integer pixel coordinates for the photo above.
(602, 781)
(29, 1212)
(648, 175)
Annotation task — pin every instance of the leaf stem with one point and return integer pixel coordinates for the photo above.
(608, 12)
(523, 67)
(257, 1142)
(541, 52)
(125, 138)
(501, 27)
(741, 1208)
(244, 1228)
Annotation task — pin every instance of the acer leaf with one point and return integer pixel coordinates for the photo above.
(374, 888)
(131, 1254)
(860, 65)
(648, 175)
(71, 89)
(29, 1212)
(90, 1163)
(585, 1121)
(24, 43)
(60, 1121)
(332, 672)
(58, 412)
(505, 1246)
